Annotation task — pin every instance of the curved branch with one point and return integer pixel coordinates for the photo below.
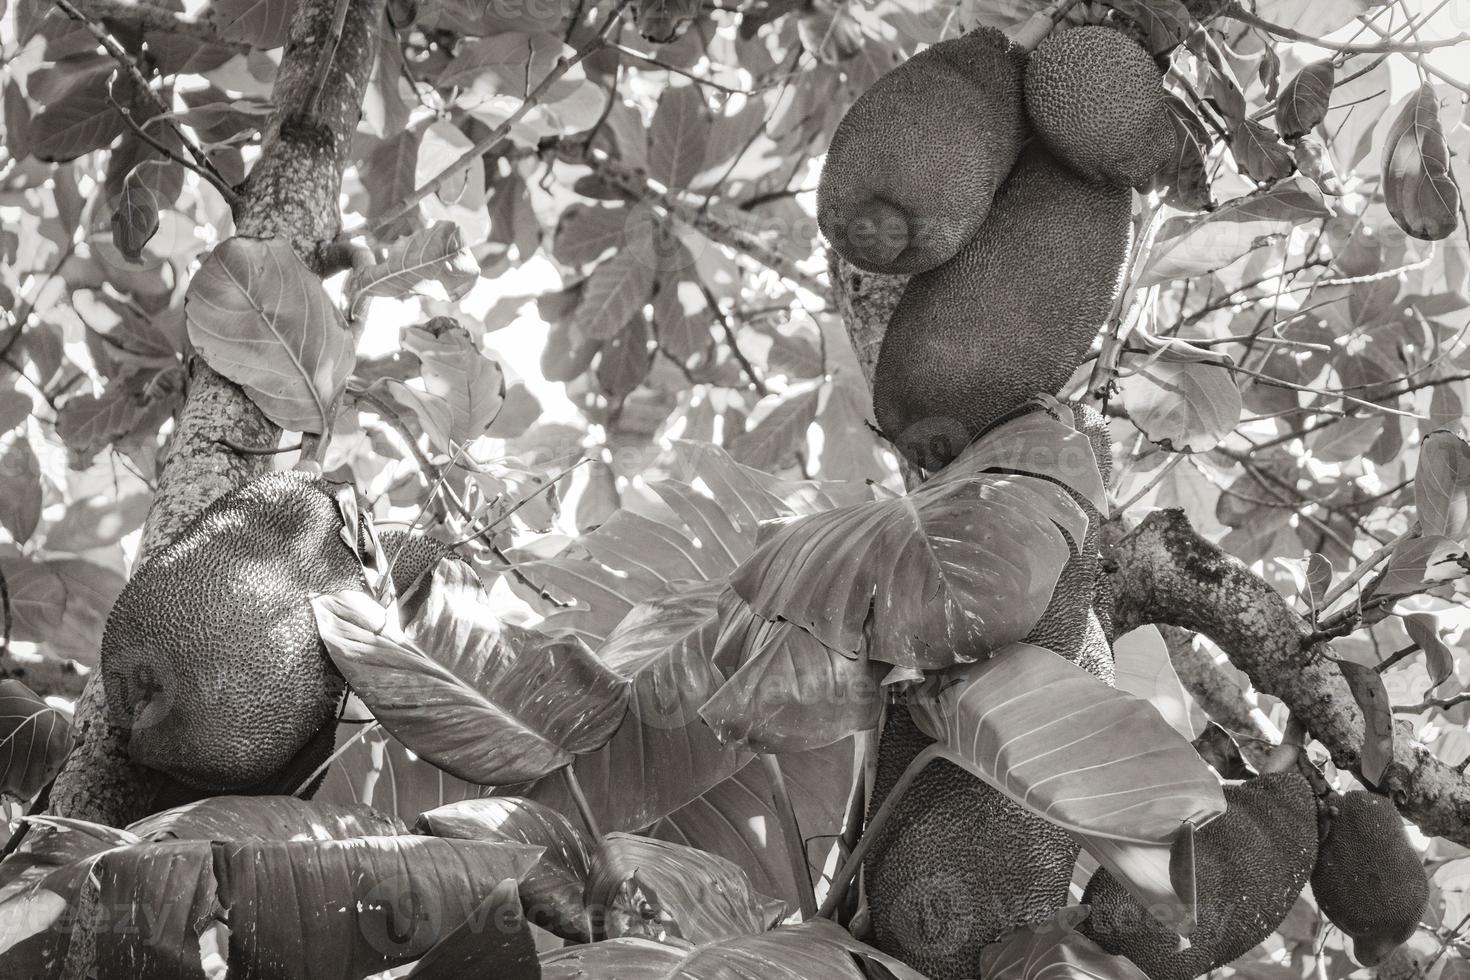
(1164, 572)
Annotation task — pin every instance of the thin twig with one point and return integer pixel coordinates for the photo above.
(562, 66)
(396, 425)
(1236, 12)
(745, 365)
(126, 62)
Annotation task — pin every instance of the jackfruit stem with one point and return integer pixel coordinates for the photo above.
(1034, 31)
(849, 869)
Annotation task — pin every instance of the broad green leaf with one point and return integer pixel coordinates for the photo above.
(552, 892)
(260, 317)
(435, 255)
(34, 740)
(1418, 188)
(818, 950)
(487, 702)
(1442, 485)
(958, 568)
(1087, 757)
(639, 886)
(786, 691)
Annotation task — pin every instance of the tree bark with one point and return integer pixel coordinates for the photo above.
(291, 193)
(1164, 572)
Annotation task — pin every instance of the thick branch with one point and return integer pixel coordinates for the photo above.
(146, 17)
(1163, 572)
(292, 193)
(1220, 696)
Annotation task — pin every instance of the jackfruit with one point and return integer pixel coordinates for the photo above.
(913, 165)
(1251, 863)
(210, 656)
(1011, 315)
(1369, 881)
(959, 864)
(1094, 97)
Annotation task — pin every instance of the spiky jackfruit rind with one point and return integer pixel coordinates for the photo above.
(1010, 316)
(1251, 863)
(914, 164)
(960, 864)
(1369, 880)
(1094, 96)
(210, 656)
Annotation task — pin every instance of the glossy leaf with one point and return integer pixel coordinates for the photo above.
(639, 886)
(1085, 756)
(335, 909)
(265, 818)
(736, 818)
(552, 892)
(663, 756)
(786, 691)
(486, 702)
(818, 950)
(262, 319)
(1050, 952)
(715, 509)
(495, 937)
(958, 568)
